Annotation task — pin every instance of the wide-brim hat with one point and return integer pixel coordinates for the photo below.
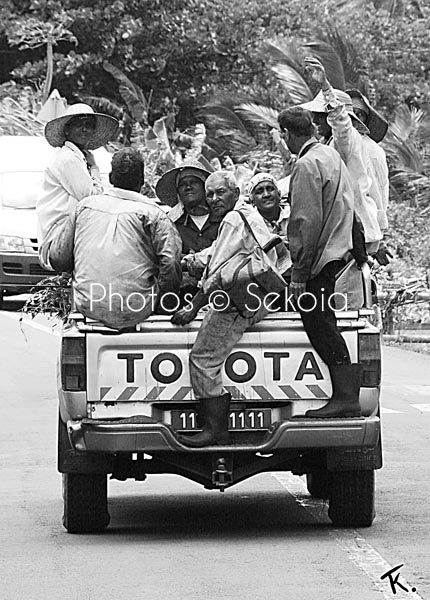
(375, 122)
(166, 187)
(319, 105)
(105, 130)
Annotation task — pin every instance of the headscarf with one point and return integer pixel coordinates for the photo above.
(256, 179)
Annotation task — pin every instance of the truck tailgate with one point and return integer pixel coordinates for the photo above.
(273, 362)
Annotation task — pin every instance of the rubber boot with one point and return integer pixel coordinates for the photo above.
(214, 413)
(344, 402)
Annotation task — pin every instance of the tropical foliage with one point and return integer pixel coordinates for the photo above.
(191, 77)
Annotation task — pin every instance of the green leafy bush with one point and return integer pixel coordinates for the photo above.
(51, 296)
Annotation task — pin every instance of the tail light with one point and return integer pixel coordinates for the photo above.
(73, 364)
(369, 356)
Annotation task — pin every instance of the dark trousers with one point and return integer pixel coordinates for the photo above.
(319, 318)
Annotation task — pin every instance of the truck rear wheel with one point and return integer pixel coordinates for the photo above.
(317, 483)
(352, 498)
(85, 502)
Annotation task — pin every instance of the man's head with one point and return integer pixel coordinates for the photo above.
(127, 170)
(190, 185)
(264, 194)
(82, 126)
(318, 108)
(80, 129)
(376, 124)
(323, 128)
(222, 193)
(297, 126)
(184, 185)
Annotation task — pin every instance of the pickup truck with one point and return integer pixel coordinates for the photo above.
(124, 397)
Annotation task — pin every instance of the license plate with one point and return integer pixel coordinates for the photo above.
(248, 419)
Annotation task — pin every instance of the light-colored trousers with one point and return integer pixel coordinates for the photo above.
(217, 336)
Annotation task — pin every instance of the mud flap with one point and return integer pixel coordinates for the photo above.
(354, 459)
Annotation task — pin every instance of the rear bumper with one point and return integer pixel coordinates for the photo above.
(130, 435)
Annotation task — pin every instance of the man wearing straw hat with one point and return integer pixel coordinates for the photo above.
(376, 161)
(72, 174)
(341, 128)
(183, 188)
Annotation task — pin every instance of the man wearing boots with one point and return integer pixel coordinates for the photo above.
(223, 325)
(319, 234)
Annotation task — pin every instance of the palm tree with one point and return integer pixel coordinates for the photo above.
(407, 135)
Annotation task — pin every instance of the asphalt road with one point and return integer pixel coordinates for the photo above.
(171, 539)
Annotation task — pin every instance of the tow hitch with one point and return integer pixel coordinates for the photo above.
(221, 476)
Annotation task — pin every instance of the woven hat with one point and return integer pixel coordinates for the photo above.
(167, 188)
(375, 122)
(106, 126)
(319, 105)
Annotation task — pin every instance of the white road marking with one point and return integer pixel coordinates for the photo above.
(422, 407)
(418, 389)
(54, 329)
(360, 552)
(390, 411)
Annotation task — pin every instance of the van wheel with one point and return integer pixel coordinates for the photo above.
(317, 483)
(352, 498)
(85, 502)
(1, 299)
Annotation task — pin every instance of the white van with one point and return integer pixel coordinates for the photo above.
(22, 162)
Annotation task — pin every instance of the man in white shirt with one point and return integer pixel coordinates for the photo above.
(376, 161)
(72, 174)
(342, 129)
(124, 249)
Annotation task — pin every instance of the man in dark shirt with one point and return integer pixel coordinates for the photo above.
(183, 188)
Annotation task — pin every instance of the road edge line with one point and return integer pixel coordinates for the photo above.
(359, 551)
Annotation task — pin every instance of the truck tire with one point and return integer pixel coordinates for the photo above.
(352, 498)
(85, 502)
(317, 483)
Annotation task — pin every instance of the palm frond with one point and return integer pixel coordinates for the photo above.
(281, 51)
(17, 120)
(331, 61)
(256, 113)
(353, 67)
(132, 94)
(105, 105)
(219, 114)
(402, 153)
(295, 85)
(406, 121)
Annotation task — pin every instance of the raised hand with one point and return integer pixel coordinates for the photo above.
(317, 71)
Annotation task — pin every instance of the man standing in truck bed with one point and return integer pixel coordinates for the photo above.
(320, 235)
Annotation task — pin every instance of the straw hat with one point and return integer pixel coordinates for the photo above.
(166, 188)
(375, 122)
(319, 105)
(106, 127)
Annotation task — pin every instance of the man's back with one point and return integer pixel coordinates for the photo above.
(322, 208)
(125, 251)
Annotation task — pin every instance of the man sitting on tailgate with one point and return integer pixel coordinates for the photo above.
(126, 251)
